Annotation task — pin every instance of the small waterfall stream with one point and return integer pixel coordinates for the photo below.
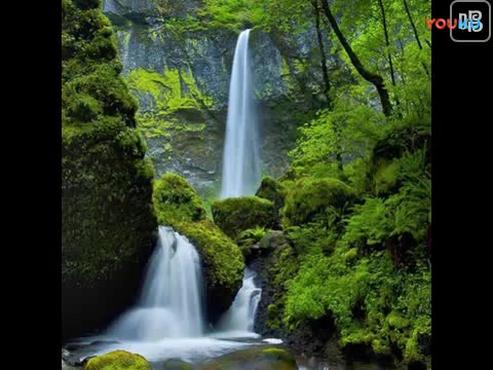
(240, 318)
(241, 159)
(171, 301)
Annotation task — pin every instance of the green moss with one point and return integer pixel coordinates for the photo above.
(282, 267)
(172, 90)
(234, 215)
(248, 238)
(371, 285)
(107, 218)
(222, 259)
(395, 320)
(175, 200)
(106, 183)
(386, 177)
(118, 360)
(177, 365)
(272, 190)
(260, 358)
(312, 199)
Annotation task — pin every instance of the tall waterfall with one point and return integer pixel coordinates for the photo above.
(241, 160)
(170, 305)
(241, 315)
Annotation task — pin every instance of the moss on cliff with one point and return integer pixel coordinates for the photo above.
(118, 360)
(107, 217)
(235, 215)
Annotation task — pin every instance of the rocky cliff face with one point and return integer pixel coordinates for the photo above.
(181, 80)
(107, 217)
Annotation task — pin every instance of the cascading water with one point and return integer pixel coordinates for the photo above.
(170, 305)
(241, 160)
(241, 315)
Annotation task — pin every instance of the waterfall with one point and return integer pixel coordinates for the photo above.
(241, 315)
(241, 160)
(170, 305)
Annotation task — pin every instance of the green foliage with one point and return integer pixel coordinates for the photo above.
(249, 237)
(369, 224)
(118, 360)
(175, 200)
(394, 306)
(312, 199)
(233, 14)
(234, 215)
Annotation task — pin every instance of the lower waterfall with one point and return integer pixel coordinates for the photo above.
(168, 319)
(170, 305)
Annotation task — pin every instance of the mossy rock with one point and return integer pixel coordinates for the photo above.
(258, 358)
(234, 215)
(118, 360)
(311, 200)
(175, 364)
(223, 263)
(272, 190)
(108, 225)
(175, 200)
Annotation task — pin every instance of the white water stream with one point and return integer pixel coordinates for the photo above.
(241, 159)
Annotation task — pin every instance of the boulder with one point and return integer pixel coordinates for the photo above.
(176, 364)
(175, 200)
(258, 358)
(234, 215)
(108, 226)
(121, 360)
(311, 200)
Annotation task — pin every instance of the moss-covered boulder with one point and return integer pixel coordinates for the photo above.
(234, 215)
(223, 263)
(118, 360)
(274, 191)
(175, 200)
(107, 220)
(258, 358)
(175, 364)
(310, 200)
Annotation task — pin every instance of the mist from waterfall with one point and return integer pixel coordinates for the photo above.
(170, 305)
(241, 159)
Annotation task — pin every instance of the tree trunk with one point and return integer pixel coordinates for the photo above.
(409, 16)
(323, 59)
(375, 79)
(416, 36)
(387, 41)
